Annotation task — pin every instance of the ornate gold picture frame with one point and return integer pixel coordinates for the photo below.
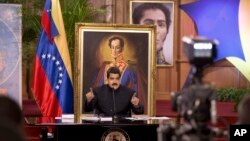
(92, 52)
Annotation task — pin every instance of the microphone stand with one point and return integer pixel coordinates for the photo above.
(114, 118)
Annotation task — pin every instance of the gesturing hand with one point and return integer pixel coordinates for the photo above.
(135, 101)
(90, 95)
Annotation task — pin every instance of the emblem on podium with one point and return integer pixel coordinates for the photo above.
(115, 134)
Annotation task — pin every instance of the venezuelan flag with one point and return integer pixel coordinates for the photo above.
(52, 77)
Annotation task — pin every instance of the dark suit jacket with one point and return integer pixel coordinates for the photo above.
(104, 105)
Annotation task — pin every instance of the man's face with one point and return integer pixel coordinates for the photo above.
(114, 80)
(116, 48)
(156, 17)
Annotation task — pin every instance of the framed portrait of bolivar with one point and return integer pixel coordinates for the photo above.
(161, 14)
(93, 56)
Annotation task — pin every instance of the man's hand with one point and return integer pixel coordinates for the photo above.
(135, 101)
(90, 95)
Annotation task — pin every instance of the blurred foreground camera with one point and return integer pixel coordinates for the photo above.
(196, 103)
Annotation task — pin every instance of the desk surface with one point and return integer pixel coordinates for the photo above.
(130, 129)
(87, 119)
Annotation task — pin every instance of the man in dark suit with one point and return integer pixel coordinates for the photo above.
(113, 99)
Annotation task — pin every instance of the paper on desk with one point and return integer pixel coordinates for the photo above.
(160, 118)
(67, 118)
(90, 118)
(97, 118)
(106, 118)
(147, 118)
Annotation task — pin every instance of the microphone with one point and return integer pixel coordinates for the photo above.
(115, 118)
(114, 102)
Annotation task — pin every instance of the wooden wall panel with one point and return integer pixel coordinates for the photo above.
(187, 28)
(223, 74)
(165, 82)
(184, 71)
(243, 82)
(122, 6)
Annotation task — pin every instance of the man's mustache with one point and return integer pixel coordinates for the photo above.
(114, 84)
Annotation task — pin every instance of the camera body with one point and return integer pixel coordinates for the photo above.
(199, 51)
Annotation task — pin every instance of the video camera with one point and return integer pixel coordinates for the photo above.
(199, 51)
(196, 103)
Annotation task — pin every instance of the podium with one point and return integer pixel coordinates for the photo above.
(107, 132)
(125, 130)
